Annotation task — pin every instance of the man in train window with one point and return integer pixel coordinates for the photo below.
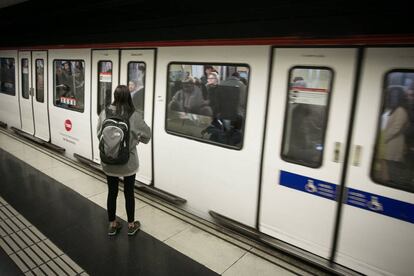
(190, 99)
(234, 81)
(64, 79)
(136, 88)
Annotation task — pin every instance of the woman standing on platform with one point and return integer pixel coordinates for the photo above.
(138, 132)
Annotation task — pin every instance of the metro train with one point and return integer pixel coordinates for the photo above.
(304, 141)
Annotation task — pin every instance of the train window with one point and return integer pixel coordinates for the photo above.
(306, 115)
(25, 78)
(7, 76)
(69, 84)
(136, 84)
(207, 102)
(393, 163)
(104, 84)
(40, 80)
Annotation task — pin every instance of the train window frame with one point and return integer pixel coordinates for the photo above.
(36, 80)
(14, 78)
(54, 85)
(378, 127)
(98, 94)
(205, 141)
(28, 78)
(144, 80)
(328, 106)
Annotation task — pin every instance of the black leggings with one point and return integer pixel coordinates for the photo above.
(129, 182)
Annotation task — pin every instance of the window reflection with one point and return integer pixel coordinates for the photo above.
(104, 84)
(208, 102)
(40, 81)
(25, 78)
(394, 153)
(136, 84)
(306, 115)
(70, 84)
(7, 76)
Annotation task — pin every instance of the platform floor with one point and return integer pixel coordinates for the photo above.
(53, 221)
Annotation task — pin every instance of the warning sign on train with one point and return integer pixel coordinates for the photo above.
(68, 125)
(105, 77)
(68, 101)
(303, 95)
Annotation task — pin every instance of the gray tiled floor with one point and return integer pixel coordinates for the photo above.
(203, 247)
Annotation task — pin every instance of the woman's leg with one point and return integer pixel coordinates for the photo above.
(112, 194)
(129, 182)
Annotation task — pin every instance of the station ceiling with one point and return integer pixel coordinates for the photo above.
(76, 21)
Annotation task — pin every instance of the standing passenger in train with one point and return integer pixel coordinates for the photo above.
(65, 80)
(190, 99)
(136, 88)
(207, 70)
(67, 73)
(138, 132)
(25, 78)
(79, 80)
(234, 81)
(141, 73)
(212, 84)
(394, 134)
(409, 134)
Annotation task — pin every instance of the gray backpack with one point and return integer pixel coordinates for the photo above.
(114, 139)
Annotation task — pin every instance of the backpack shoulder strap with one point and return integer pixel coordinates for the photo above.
(108, 112)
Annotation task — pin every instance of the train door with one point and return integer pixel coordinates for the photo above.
(70, 100)
(33, 102)
(9, 99)
(307, 125)
(208, 127)
(105, 75)
(40, 97)
(376, 234)
(26, 92)
(137, 71)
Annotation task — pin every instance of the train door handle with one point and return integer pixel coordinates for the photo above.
(31, 91)
(337, 152)
(357, 155)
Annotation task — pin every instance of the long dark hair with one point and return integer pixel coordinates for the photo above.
(123, 101)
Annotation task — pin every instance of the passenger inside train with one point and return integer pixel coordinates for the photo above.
(410, 130)
(394, 148)
(137, 94)
(25, 78)
(136, 86)
(205, 106)
(40, 84)
(7, 78)
(70, 84)
(189, 99)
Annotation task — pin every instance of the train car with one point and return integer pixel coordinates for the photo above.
(305, 143)
(288, 141)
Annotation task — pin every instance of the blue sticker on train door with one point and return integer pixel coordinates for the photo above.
(380, 204)
(370, 202)
(309, 185)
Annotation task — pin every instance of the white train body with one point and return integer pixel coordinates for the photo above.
(260, 181)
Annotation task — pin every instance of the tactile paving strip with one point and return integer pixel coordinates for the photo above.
(31, 251)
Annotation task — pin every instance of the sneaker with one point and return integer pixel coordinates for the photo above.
(113, 230)
(133, 230)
